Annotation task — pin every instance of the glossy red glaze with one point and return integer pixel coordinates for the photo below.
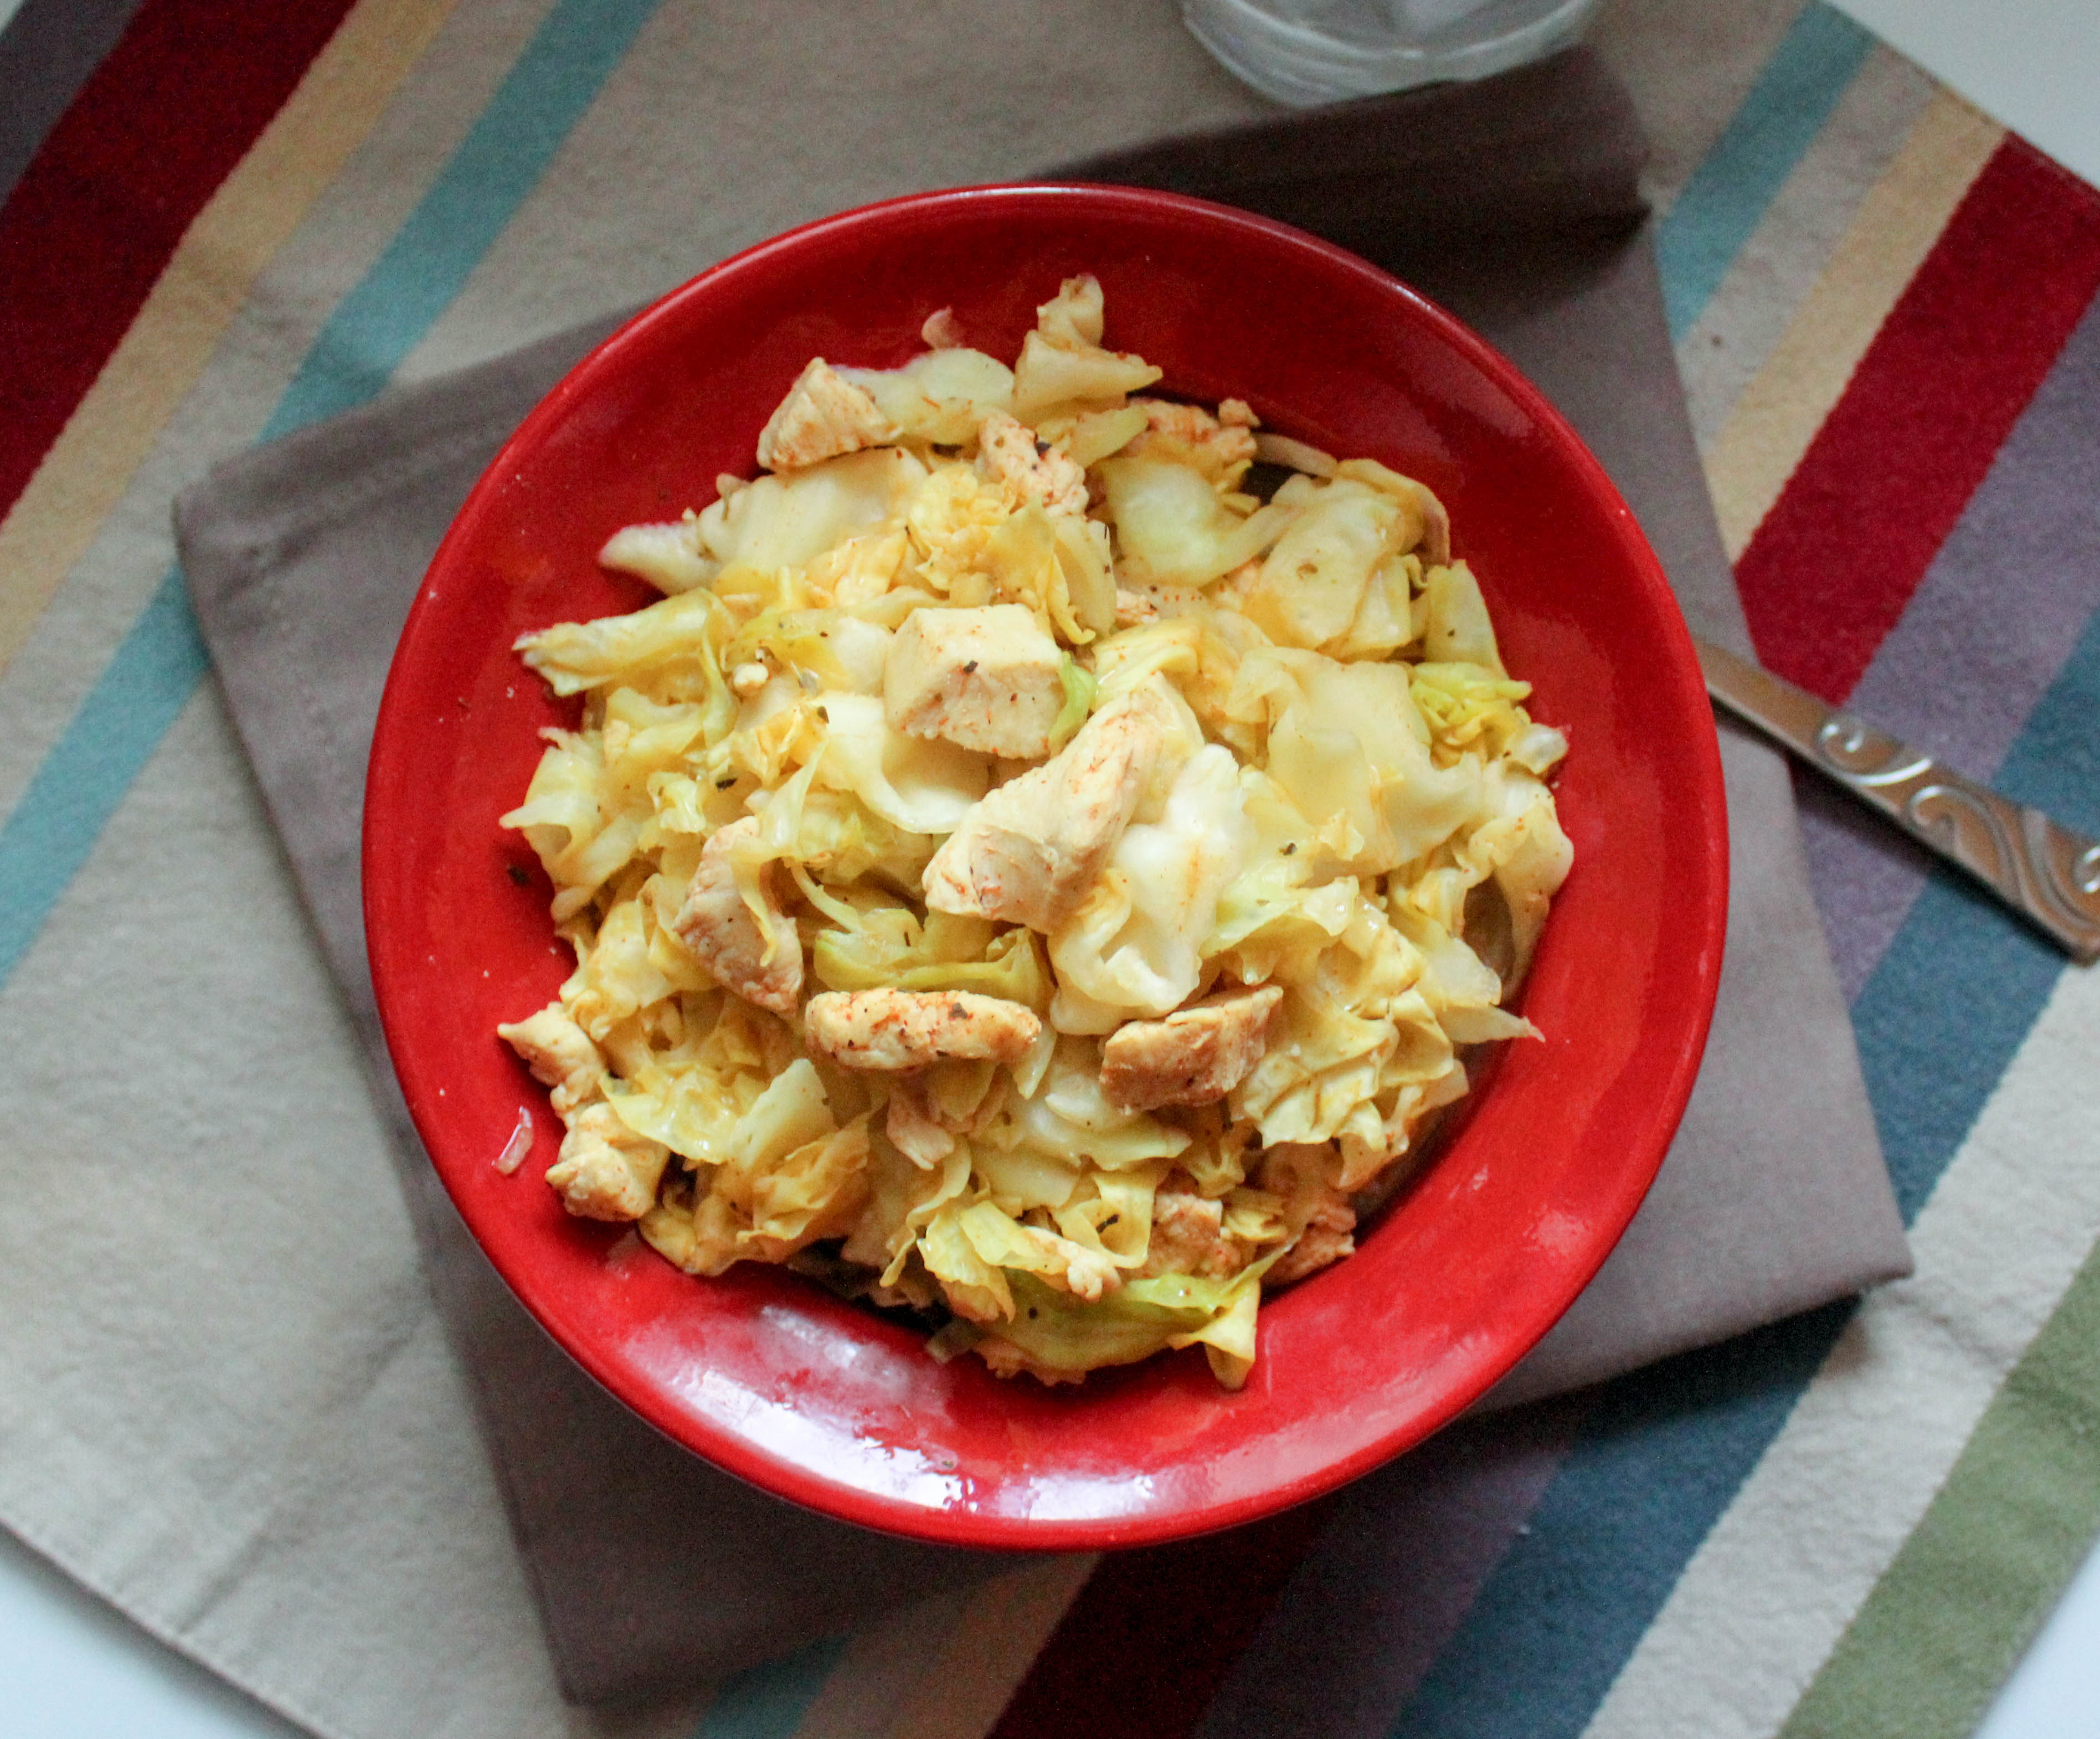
(807, 1397)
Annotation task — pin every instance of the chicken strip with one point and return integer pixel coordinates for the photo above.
(559, 1053)
(1300, 1174)
(1220, 449)
(1030, 470)
(720, 928)
(1192, 1056)
(1188, 1235)
(1028, 850)
(605, 1170)
(1133, 607)
(894, 1031)
(823, 415)
(983, 678)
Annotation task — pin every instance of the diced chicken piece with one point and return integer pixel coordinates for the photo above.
(1220, 450)
(1237, 413)
(1030, 470)
(720, 930)
(984, 679)
(1194, 1055)
(823, 415)
(1155, 600)
(1324, 1241)
(1134, 607)
(559, 1053)
(1299, 1176)
(1028, 850)
(605, 1170)
(1188, 1235)
(1182, 422)
(894, 1031)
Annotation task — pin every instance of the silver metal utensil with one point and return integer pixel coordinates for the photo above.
(2048, 874)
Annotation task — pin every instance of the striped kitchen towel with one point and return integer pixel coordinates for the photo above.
(1515, 201)
(217, 229)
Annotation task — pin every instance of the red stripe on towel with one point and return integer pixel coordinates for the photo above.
(102, 206)
(1834, 563)
(1144, 1648)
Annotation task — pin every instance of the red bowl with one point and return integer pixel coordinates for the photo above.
(815, 1400)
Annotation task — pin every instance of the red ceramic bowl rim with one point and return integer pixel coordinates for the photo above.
(1680, 681)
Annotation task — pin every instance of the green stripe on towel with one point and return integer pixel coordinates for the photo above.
(1950, 1616)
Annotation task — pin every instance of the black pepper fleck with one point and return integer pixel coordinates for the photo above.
(970, 668)
(723, 785)
(1290, 846)
(518, 873)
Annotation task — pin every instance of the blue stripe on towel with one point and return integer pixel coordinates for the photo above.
(1658, 1460)
(1667, 1450)
(1735, 183)
(1927, 1077)
(497, 164)
(74, 794)
(769, 1702)
(161, 659)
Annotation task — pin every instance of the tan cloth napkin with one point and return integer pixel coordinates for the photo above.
(1515, 202)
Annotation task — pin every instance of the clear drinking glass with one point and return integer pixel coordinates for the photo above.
(1308, 51)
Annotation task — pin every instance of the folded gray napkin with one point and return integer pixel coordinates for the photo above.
(1514, 201)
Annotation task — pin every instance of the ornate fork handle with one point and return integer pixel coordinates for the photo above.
(2046, 872)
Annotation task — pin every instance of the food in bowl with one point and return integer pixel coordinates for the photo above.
(1018, 872)
(837, 1407)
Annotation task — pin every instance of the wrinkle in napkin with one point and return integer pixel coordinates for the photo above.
(1515, 201)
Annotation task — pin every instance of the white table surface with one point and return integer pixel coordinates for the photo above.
(73, 1668)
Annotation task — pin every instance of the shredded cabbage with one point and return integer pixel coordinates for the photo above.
(1286, 752)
